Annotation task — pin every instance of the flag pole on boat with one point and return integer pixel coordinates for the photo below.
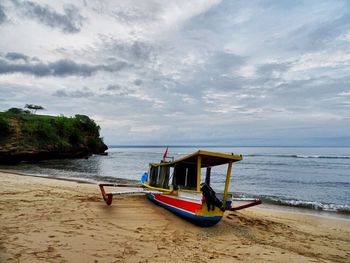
(165, 155)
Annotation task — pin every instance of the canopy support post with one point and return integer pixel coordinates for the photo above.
(199, 166)
(228, 175)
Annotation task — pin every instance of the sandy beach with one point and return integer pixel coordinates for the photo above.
(48, 220)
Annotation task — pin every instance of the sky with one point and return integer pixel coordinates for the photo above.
(199, 72)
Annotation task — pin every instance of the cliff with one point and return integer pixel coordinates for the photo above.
(29, 137)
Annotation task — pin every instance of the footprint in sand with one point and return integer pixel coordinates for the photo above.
(138, 230)
(50, 249)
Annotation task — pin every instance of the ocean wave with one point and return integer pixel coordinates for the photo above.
(110, 179)
(329, 207)
(313, 205)
(300, 156)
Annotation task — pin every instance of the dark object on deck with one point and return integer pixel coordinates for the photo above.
(210, 197)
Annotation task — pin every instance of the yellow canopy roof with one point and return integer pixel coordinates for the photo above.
(207, 159)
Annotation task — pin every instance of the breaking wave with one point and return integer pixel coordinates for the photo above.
(329, 207)
(301, 156)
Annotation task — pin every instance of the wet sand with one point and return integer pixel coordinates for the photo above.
(47, 220)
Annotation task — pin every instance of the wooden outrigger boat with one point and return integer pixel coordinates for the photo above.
(177, 186)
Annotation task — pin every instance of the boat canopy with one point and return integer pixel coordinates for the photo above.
(208, 159)
(186, 171)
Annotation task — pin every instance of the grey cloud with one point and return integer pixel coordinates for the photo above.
(320, 35)
(226, 66)
(115, 89)
(16, 56)
(69, 22)
(269, 68)
(138, 82)
(60, 68)
(216, 73)
(60, 93)
(226, 61)
(137, 51)
(80, 93)
(3, 16)
(133, 15)
(140, 50)
(85, 92)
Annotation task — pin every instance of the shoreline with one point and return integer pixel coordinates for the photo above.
(305, 211)
(63, 221)
(264, 205)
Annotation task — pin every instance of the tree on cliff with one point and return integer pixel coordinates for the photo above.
(17, 111)
(33, 108)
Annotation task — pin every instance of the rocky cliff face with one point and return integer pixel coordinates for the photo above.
(27, 137)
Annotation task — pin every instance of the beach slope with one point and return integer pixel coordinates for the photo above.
(48, 220)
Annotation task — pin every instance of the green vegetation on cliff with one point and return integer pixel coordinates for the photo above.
(27, 135)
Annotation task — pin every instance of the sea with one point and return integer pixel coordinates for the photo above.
(314, 178)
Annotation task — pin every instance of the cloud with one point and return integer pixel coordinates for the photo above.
(59, 68)
(2, 14)
(112, 90)
(80, 93)
(137, 51)
(113, 87)
(70, 21)
(152, 72)
(137, 82)
(16, 56)
(117, 90)
(316, 36)
(270, 70)
(344, 93)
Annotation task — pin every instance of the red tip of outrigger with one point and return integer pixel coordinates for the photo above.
(253, 203)
(107, 197)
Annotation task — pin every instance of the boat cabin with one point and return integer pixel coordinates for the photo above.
(185, 173)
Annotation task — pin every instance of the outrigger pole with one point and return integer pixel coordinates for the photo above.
(253, 202)
(108, 197)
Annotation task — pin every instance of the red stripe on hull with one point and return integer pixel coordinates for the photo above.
(185, 205)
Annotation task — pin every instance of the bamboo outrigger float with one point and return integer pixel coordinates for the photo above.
(176, 186)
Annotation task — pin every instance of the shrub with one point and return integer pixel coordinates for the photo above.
(88, 125)
(40, 131)
(45, 132)
(4, 126)
(75, 137)
(63, 126)
(17, 111)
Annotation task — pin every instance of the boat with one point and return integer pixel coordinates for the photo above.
(183, 186)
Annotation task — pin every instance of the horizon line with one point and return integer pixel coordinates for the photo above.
(221, 146)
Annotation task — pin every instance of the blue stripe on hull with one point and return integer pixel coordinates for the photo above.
(198, 220)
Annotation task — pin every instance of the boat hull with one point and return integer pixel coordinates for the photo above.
(185, 209)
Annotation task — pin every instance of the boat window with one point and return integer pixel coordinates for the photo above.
(164, 173)
(153, 178)
(159, 176)
(185, 177)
